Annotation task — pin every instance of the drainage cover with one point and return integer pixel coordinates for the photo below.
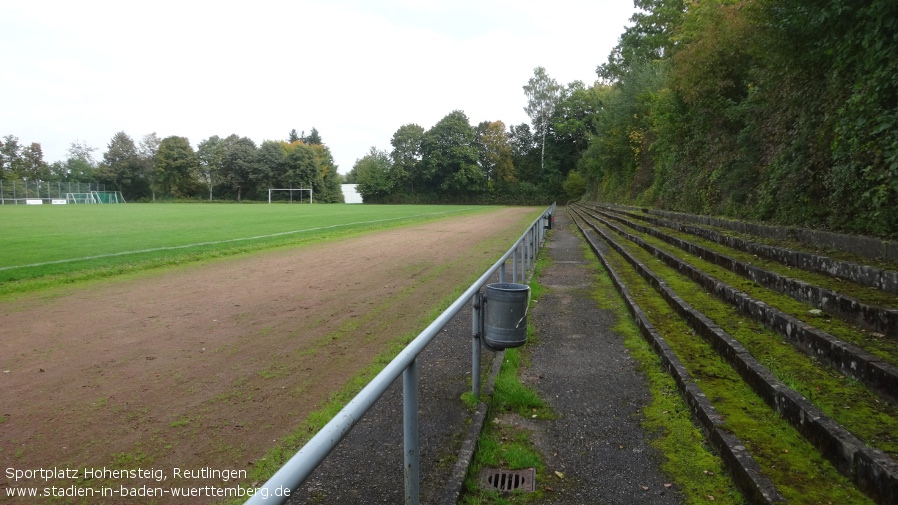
(510, 480)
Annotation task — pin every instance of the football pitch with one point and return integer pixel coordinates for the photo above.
(73, 241)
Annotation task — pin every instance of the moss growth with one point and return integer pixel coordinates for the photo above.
(691, 466)
(846, 401)
(867, 295)
(798, 470)
(884, 348)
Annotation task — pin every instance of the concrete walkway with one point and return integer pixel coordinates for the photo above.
(582, 369)
(578, 365)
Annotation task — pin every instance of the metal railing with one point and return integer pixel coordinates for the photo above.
(295, 471)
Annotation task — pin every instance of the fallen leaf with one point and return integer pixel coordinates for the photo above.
(559, 474)
(547, 488)
(645, 488)
(668, 485)
(710, 497)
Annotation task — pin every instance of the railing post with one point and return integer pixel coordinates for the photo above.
(410, 433)
(530, 253)
(514, 264)
(476, 325)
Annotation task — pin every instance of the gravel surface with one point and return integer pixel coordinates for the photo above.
(580, 367)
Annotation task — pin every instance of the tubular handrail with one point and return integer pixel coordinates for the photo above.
(298, 468)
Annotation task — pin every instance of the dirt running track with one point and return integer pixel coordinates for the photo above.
(207, 367)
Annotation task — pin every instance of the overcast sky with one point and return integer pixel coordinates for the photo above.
(355, 70)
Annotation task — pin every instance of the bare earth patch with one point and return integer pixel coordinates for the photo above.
(209, 366)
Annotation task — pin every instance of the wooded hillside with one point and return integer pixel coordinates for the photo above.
(779, 110)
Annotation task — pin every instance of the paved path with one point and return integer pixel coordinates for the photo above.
(578, 365)
(582, 369)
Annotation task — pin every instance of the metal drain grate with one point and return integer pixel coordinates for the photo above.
(510, 480)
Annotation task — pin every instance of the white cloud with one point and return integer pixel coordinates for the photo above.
(355, 70)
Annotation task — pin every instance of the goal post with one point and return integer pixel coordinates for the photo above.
(108, 196)
(79, 198)
(95, 197)
(290, 191)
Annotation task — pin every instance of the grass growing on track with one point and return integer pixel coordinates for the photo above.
(48, 246)
(797, 468)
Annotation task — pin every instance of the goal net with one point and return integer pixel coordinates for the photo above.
(291, 197)
(95, 197)
(108, 196)
(79, 198)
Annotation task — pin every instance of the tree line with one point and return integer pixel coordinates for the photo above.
(456, 162)
(778, 110)
(229, 168)
(774, 110)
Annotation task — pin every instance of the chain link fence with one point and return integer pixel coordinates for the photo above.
(18, 192)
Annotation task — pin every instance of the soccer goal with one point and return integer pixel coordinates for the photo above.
(95, 197)
(108, 196)
(79, 198)
(290, 191)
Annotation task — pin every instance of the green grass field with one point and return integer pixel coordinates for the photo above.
(51, 245)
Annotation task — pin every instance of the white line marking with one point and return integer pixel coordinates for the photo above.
(169, 248)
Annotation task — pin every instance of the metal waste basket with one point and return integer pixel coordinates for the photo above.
(505, 315)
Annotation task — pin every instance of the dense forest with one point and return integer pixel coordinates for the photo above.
(229, 168)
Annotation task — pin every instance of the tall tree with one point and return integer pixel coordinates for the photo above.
(542, 93)
(239, 164)
(313, 138)
(406, 157)
(33, 165)
(146, 152)
(210, 162)
(175, 163)
(121, 165)
(524, 153)
(10, 157)
(449, 156)
(302, 166)
(649, 38)
(79, 164)
(495, 151)
(272, 164)
(373, 174)
(327, 185)
(293, 136)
